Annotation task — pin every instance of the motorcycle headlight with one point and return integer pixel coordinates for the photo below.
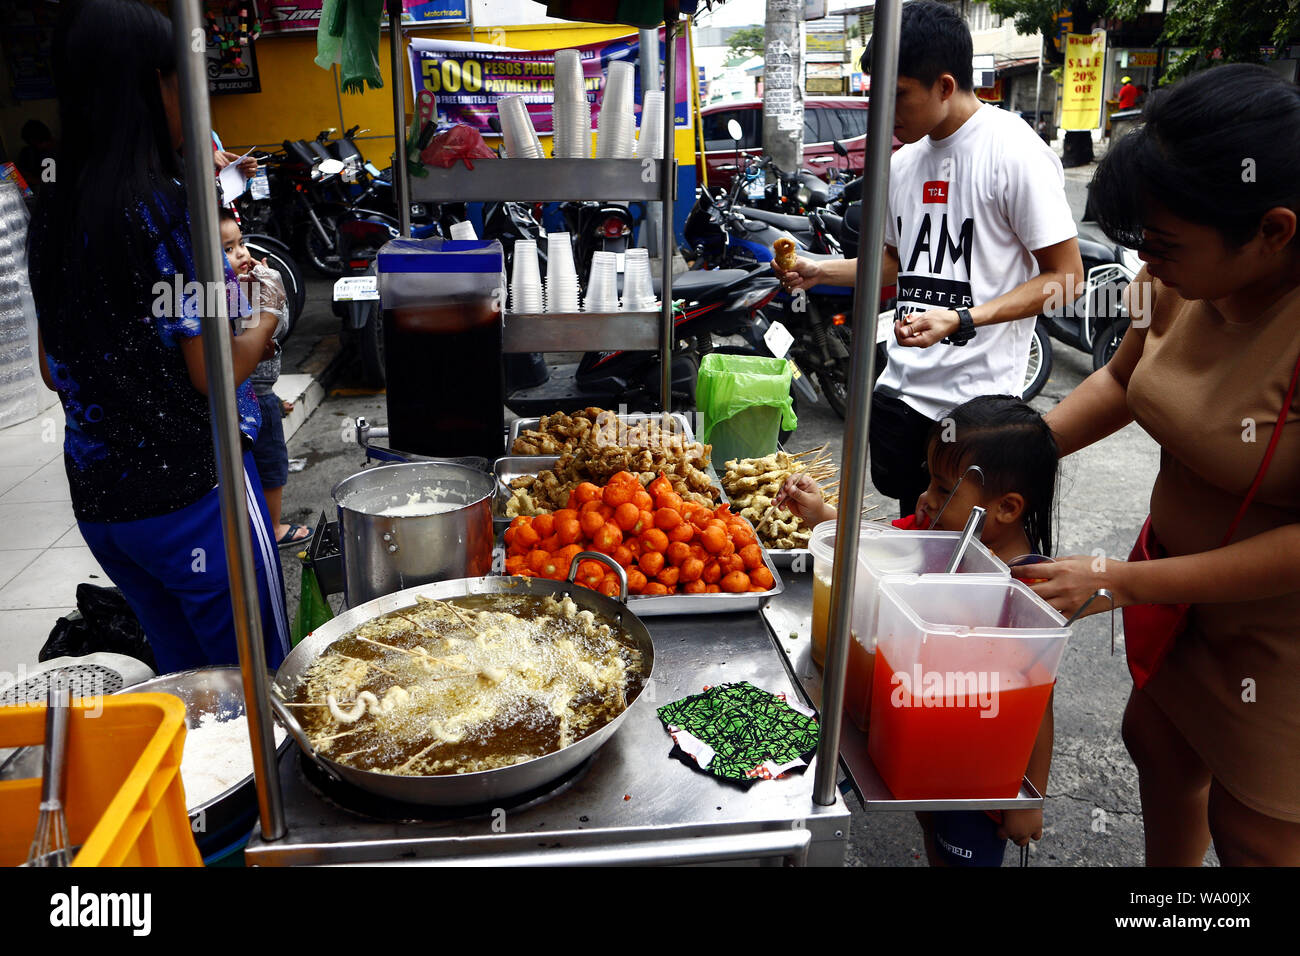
(803, 194)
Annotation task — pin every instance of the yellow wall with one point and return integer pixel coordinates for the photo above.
(299, 99)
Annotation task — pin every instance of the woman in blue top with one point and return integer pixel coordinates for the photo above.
(109, 248)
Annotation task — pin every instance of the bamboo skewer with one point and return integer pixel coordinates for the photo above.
(455, 610)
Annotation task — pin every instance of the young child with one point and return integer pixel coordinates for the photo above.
(1018, 455)
(269, 450)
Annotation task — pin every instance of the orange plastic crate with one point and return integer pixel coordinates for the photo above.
(123, 798)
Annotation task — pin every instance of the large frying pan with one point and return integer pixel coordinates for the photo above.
(460, 789)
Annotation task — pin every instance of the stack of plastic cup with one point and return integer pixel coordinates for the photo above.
(463, 230)
(561, 274)
(517, 129)
(638, 288)
(571, 114)
(602, 286)
(650, 142)
(526, 280)
(616, 132)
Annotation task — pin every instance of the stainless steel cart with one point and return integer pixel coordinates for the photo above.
(631, 804)
(802, 818)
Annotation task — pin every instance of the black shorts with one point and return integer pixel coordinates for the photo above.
(269, 451)
(899, 440)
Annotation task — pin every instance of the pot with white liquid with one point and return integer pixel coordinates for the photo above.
(409, 524)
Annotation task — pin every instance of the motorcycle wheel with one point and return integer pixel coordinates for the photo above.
(324, 256)
(834, 381)
(1107, 341)
(278, 258)
(370, 347)
(1039, 368)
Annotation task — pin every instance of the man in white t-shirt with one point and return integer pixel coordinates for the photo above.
(979, 237)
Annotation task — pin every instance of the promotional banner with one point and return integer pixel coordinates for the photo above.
(1081, 92)
(467, 79)
(296, 16)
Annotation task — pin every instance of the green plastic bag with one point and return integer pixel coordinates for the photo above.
(348, 34)
(744, 403)
(313, 609)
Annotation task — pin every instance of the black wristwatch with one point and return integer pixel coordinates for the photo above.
(965, 329)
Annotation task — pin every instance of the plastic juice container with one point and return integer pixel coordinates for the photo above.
(963, 671)
(897, 552)
(822, 546)
(858, 678)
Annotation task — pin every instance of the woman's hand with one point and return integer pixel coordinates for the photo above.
(805, 274)
(1067, 583)
(1021, 826)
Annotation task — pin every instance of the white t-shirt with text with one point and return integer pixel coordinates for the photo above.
(965, 214)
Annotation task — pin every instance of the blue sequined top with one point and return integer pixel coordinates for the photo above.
(139, 434)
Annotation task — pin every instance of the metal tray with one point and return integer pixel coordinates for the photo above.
(786, 557)
(526, 424)
(708, 603)
(516, 466)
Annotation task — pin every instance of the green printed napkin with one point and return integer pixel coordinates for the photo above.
(740, 732)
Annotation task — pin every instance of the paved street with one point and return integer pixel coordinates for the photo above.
(1092, 816)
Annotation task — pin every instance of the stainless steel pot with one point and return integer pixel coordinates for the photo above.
(460, 789)
(383, 553)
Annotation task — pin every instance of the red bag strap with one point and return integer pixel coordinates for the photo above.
(1268, 455)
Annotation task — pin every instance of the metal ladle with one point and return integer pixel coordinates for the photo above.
(1100, 592)
(974, 525)
(975, 468)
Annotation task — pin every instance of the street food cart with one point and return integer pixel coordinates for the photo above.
(627, 802)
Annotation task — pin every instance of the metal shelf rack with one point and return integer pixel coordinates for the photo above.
(560, 180)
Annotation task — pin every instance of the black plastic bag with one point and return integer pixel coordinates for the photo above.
(104, 623)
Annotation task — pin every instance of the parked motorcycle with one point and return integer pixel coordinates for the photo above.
(724, 235)
(1096, 321)
(715, 307)
(300, 208)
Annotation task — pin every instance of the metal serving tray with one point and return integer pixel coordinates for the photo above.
(683, 423)
(516, 466)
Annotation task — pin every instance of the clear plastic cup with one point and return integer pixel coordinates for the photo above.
(602, 286)
(526, 279)
(561, 274)
(638, 287)
(616, 130)
(650, 141)
(571, 113)
(463, 230)
(517, 129)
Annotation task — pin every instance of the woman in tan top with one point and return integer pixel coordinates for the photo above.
(1208, 192)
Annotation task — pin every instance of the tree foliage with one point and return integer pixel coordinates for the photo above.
(1232, 29)
(746, 42)
(1228, 31)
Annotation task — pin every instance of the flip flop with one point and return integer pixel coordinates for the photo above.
(291, 537)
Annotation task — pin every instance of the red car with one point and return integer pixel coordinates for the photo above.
(825, 120)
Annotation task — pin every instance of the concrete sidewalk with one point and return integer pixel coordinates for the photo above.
(42, 555)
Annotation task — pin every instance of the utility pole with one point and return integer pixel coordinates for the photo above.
(1038, 89)
(783, 84)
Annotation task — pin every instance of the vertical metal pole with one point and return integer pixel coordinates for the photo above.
(853, 472)
(667, 190)
(650, 81)
(401, 178)
(1038, 89)
(201, 190)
